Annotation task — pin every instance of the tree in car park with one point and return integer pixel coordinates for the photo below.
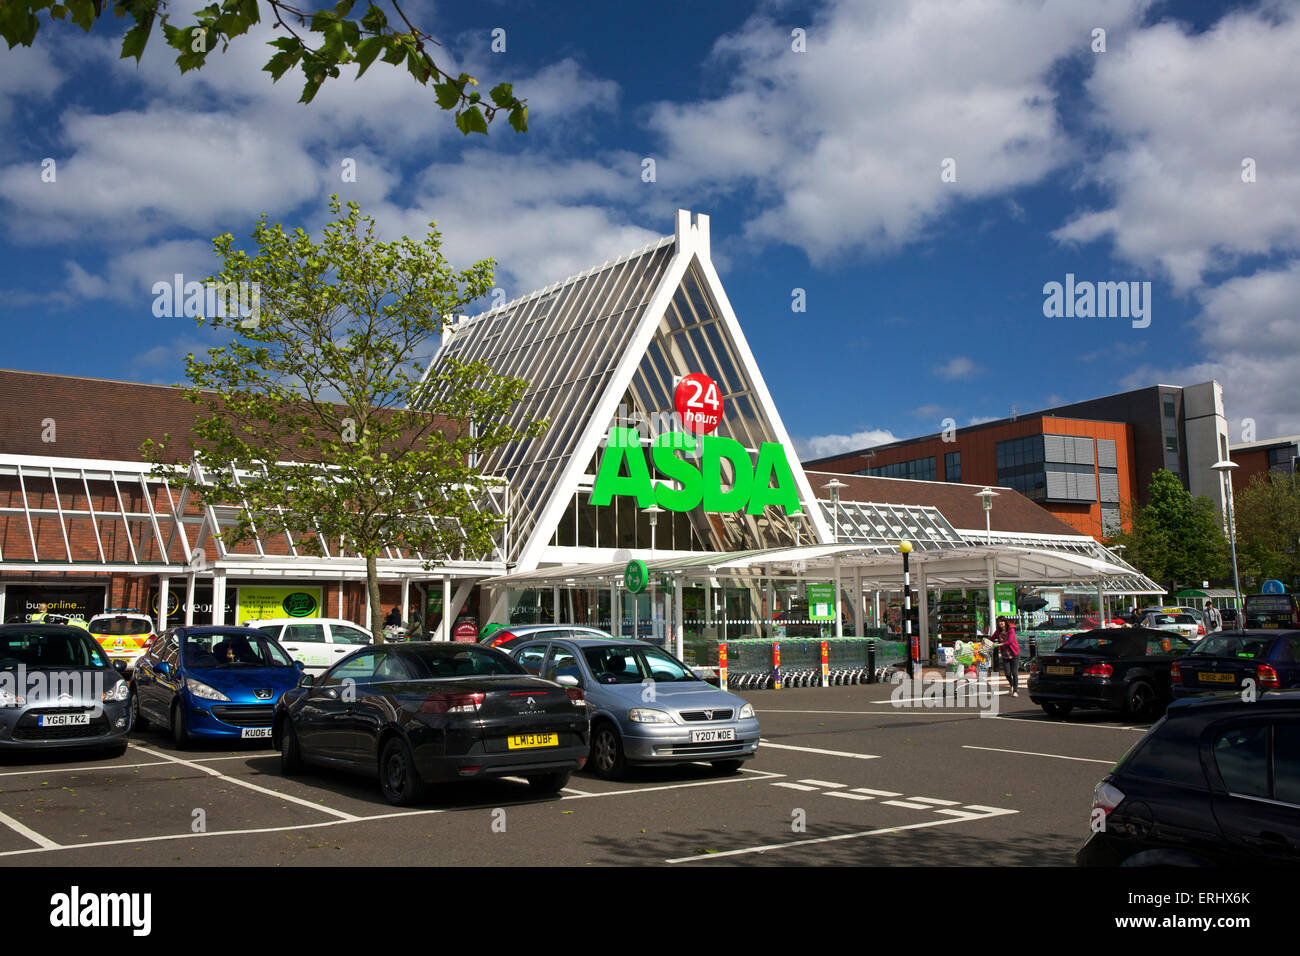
(1176, 539)
(318, 420)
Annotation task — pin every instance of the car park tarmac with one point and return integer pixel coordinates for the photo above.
(843, 777)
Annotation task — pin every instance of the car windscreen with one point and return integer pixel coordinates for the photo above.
(634, 663)
(244, 649)
(46, 649)
(460, 660)
(120, 626)
(1251, 647)
(1095, 642)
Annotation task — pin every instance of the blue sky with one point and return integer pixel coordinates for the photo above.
(821, 171)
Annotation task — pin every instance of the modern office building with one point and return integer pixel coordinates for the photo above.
(1272, 456)
(1087, 463)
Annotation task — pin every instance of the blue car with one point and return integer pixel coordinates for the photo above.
(1269, 658)
(646, 706)
(211, 683)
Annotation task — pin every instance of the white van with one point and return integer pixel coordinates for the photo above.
(316, 641)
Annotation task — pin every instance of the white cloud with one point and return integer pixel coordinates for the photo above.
(957, 367)
(27, 73)
(1187, 109)
(843, 143)
(1251, 337)
(823, 446)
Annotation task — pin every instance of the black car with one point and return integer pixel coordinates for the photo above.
(431, 712)
(57, 689)
(1216, 782)
(1227, 660)
(1120, 668)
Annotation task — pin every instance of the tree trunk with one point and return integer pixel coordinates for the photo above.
(372, 588)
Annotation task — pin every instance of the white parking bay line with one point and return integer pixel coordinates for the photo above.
(908, 805)
(88, 768)
(1032, 753)
(1057, 723)
(251, 786)
(830, 839)
(824, 783)
(849, 795)
(877, 793)
(792, 786)
(936, 801)
(27, 832)
(814, 750)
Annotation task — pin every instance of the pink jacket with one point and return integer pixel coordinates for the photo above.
(1010, 643)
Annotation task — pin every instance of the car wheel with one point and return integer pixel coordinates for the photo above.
(1057, 710)
(1141, 700)
(139, 720)
(549, 782)
(398, 778)
(290, 755)
(728, 766)
(607, 752)
(180, 729)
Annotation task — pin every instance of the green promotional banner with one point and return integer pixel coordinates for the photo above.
(260, 603)
(821, 602)
(1004, 598)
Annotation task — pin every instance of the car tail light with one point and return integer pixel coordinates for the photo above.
(452, 703)
(1098, 670)
(1106, 796)
(576, 697)
(468, 771)
(1175, 673)
(500, 637)
(1267, 676)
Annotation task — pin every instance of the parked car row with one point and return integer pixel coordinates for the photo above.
(409, 713)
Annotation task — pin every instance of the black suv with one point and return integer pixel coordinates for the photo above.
(1216, 782)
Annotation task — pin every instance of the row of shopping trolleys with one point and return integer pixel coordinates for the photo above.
(838, 677)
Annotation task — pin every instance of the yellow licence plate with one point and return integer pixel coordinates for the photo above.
(1051, 669)
(525, 741)
(1217, 678)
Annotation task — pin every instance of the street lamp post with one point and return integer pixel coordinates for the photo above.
(914, 650)
(834, 486)
(1225, 469)
(986, 496)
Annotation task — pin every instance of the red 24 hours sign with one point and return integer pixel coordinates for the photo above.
(698, 403)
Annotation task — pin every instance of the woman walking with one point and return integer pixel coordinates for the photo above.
(1009, 649)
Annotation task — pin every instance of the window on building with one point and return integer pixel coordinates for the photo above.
(1020, 466)
(1282, 460)
(1171, 407)
(918, 469)
(952, 466)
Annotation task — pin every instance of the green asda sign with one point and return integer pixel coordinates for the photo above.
(768, 481)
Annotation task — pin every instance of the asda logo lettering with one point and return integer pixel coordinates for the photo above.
(624, 470)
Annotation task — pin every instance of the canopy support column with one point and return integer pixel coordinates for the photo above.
(219, 597)
(924, 611)
(189, 600)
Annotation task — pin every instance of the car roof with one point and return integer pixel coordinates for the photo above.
(600, 641)
(251, 622)
(197, 630)
(39, 628)
(1231, 703)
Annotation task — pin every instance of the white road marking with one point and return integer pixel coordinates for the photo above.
(936, 802)
(1050, 723)
(861, 713)
(849, 795)
(27, 832)
(814, 750)
(909, 806)
(89, 768)
(987, 810)
(793, 786)
(824, 783)
(760, 774)
(830, 839)
(877, 793)
(251, 786)
(1031, 753)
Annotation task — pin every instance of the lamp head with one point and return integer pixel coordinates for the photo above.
(905, 547)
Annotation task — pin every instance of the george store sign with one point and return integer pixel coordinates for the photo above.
(625, 471)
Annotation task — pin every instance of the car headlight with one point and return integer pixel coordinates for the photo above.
(9, 699)
(747, 712)
(643, 715)
(119, 691)
(204, 691)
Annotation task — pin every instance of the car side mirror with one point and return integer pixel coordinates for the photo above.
(300, 665)
(306, 680)
(163, 668)
(119, 666)
(567, 680)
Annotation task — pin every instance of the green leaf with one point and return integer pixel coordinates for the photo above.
(282, 63)
(365, 53)
(503, 94)
(58, 11)
(395, 52)
(519, 119)
(471, 121)
(448, 95)
(134, 41)
(83, 13)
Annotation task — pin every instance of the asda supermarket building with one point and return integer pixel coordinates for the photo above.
(664, 500)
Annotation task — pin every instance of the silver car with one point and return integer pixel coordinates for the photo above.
(646, 706)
